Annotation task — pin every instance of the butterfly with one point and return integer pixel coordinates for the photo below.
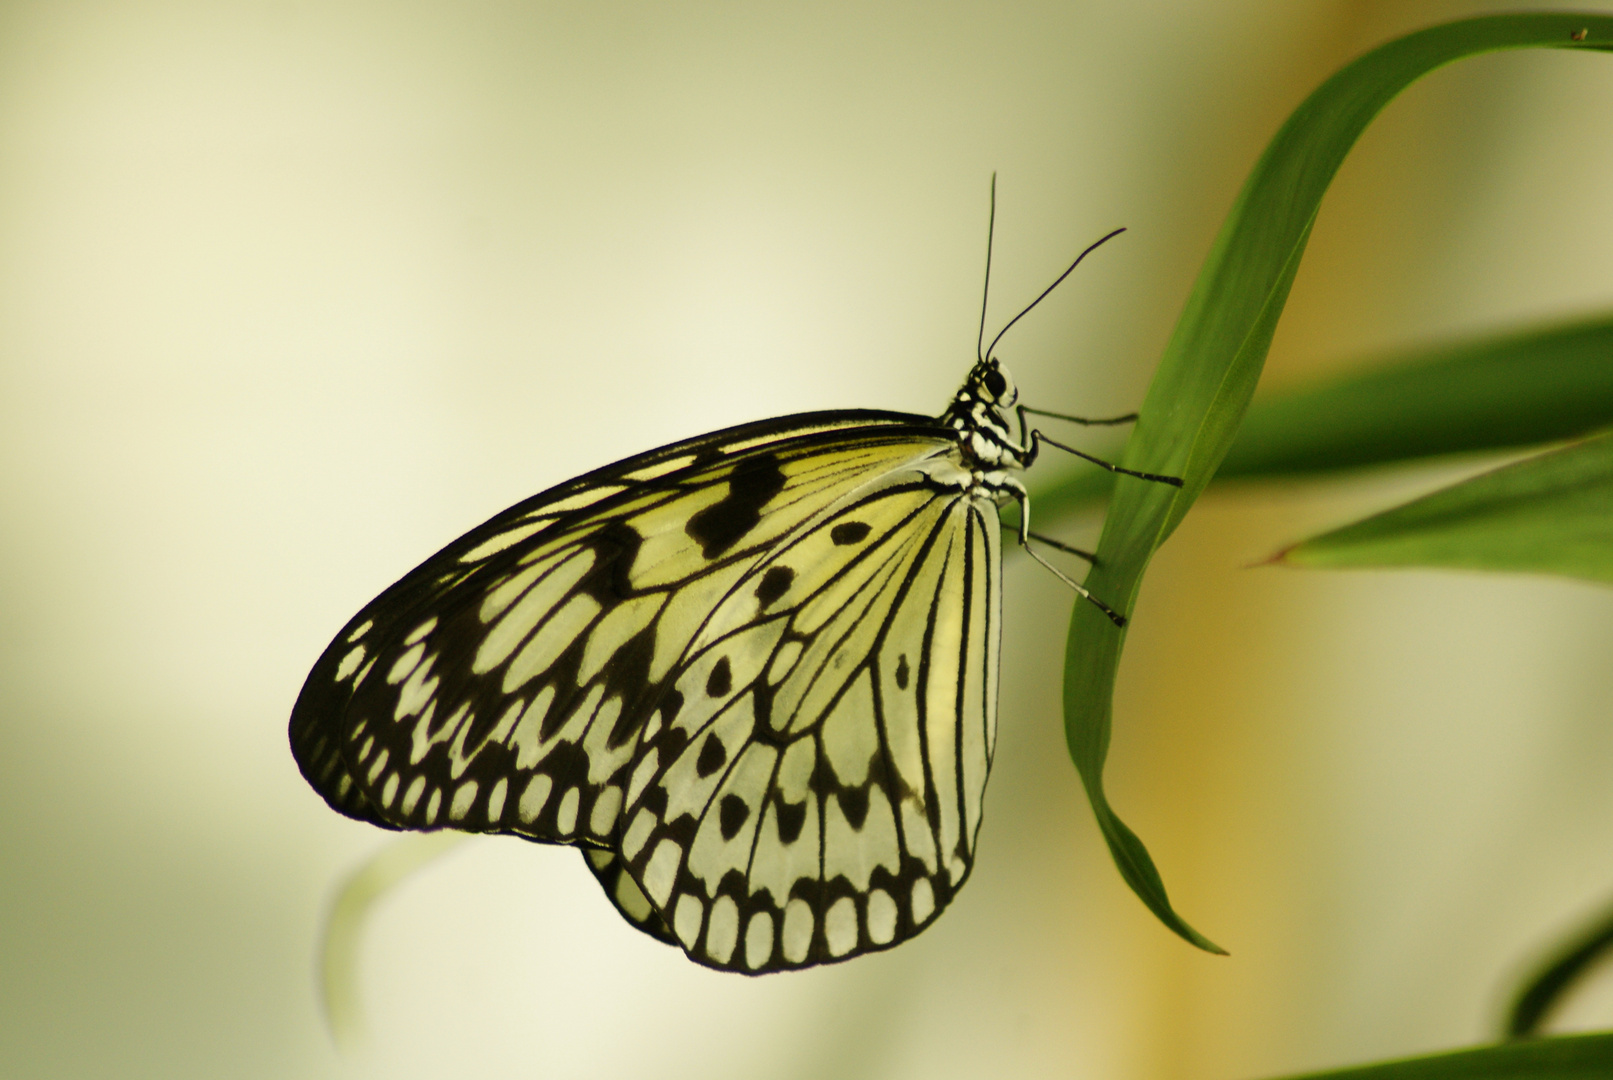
(752, 675)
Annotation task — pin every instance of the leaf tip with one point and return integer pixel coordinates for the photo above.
(1276, 558)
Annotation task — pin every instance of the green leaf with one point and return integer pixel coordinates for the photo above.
(1562, 969)
(1495, 393)
(1210, 368)
(1570, 1057)
(344, 925)
(1516, 390)
(1549, 514)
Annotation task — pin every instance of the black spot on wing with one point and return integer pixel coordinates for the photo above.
(854, 802)
(671, 702)
(630, 677)
(731, 815)
(791, 820)
(712, 756)
(721, 679)
(849, 532)
(774, 584)
(616, 546)
(901, 672)
(723, 524)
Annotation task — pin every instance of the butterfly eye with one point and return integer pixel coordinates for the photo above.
(996, 384)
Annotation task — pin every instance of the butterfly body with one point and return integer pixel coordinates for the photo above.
(753, 675)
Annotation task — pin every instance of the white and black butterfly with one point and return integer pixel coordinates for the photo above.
(752, 675)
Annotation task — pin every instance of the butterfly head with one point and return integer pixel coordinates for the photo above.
(995, 385)
(989, 384)
(977, 413)
(989, 389)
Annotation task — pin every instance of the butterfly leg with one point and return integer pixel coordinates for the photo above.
(1026, 410)
(1087, 421)
(1080, 553)
(1037, 439)
(1022, 497)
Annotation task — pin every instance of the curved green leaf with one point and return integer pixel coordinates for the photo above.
(344, 925)
(1519, 389)
(1548, 514)
(1548, 984)
(1569, 1057)
(1493, 393)
(1210, 367)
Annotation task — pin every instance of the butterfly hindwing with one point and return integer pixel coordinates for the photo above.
(502, 686)
(810, 785)
(623, 891)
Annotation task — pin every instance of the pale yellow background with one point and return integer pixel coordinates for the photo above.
(293, 293)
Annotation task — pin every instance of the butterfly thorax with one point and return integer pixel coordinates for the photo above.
(985, 439)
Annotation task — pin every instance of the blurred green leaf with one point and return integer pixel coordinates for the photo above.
(344, 926)
(1209, 370)
(1494, 393)
(1516, 390)
(1567, 963)
(1570, 1057)
(1549, 514)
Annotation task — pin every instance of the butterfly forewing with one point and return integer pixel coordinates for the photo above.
(810, 784)
(504, 684)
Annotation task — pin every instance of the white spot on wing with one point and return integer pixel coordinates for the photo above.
(412, 797)
(565, 818)
(363, 628)
(923, 901)
(417, 692)
(403, 665)
(494, 544)
(686, 923)
(759, 940)
(524, 740)
(798, 926)
(643, 825)
(881, 917)
(602, 818)
(495, 801)
(533, 798)
(421, 631)
(840, 926)
(350, 662)
(463, 798)
(604, 759)
(661, 871)
(642, 773)
(660, 468)
(586, 497)
(722, 933)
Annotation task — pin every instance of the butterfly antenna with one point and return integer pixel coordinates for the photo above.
(1090, 249)
(985, 292)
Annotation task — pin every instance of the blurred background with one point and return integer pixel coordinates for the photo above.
(291, 294)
